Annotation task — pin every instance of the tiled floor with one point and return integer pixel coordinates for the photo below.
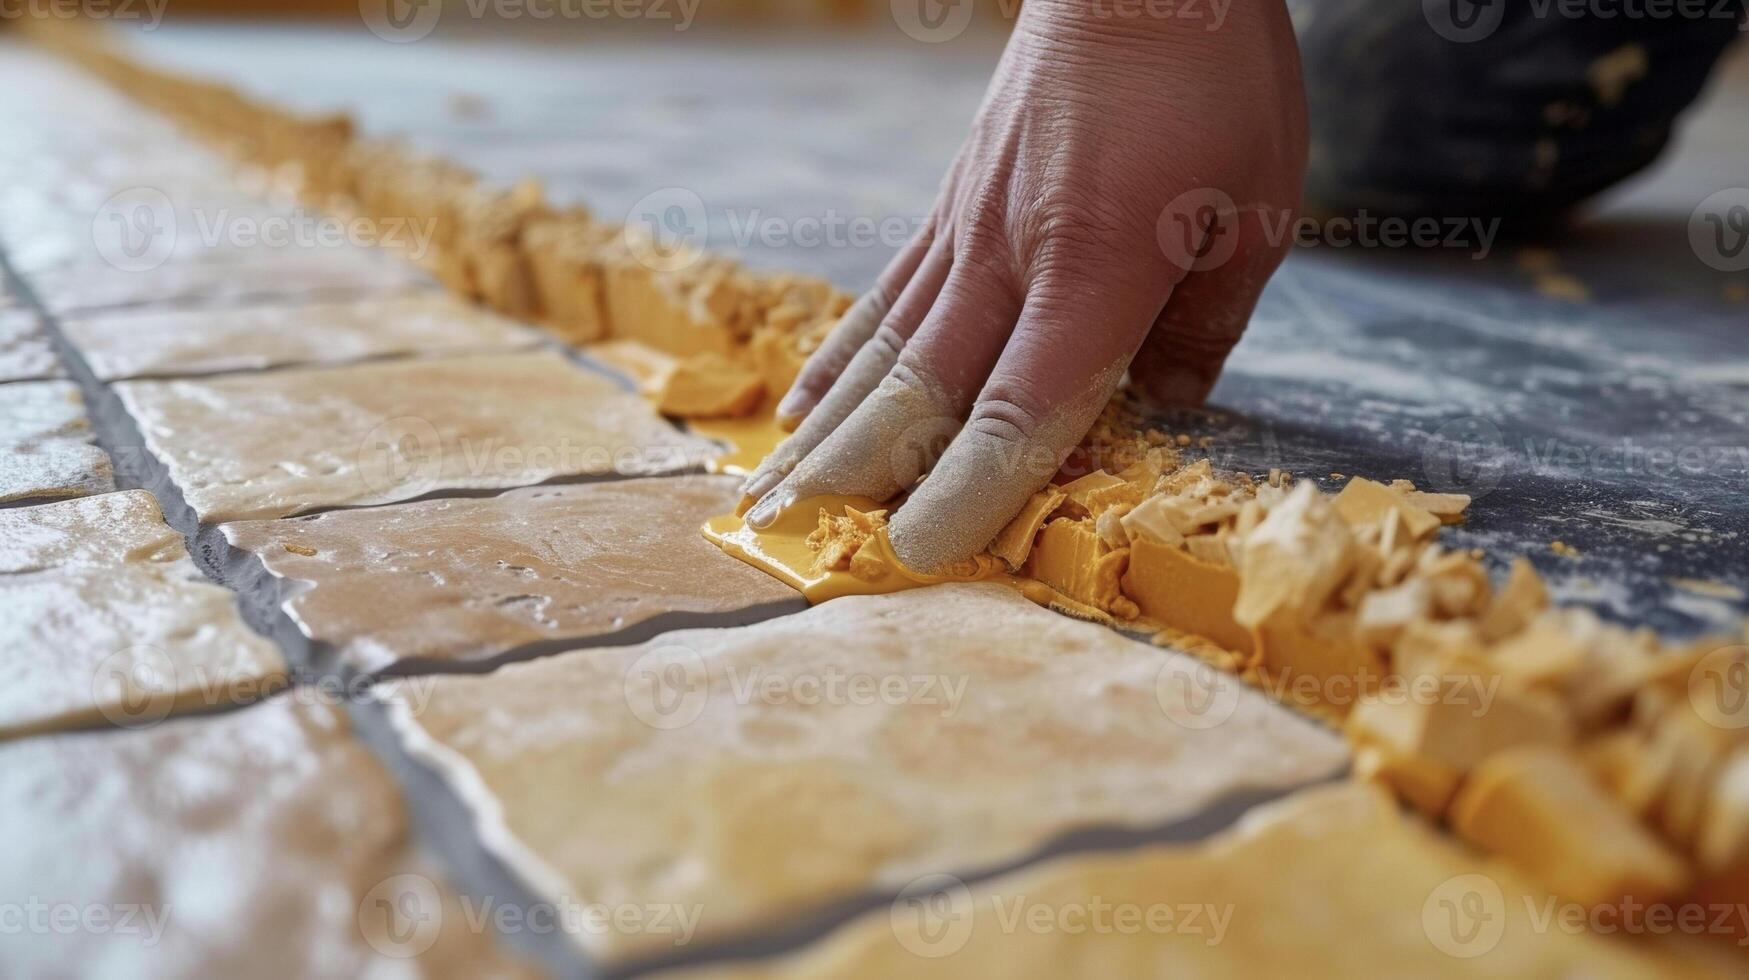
(669, 761)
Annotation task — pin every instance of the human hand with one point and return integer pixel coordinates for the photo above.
(1127, 189)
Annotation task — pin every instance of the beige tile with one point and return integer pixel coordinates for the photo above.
(106, 621)
(473, 579)
(25, 353)
(46, 445)
(133, 344)
(265, 839)
(130, 218)
(101, 531)
(744, 776)
(1334, 882)
(124, 646)
(290, 441)
(312, 273)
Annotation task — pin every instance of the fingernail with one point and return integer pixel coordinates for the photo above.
(760, 517)
(790, 407)
(788, 423)
(760, 484)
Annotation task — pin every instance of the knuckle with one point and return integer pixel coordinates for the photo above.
(909, 380)
(1005, 418)
(887, 341)
(1091, 221)
(981, 236)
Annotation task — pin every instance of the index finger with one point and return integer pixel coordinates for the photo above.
(1064, 361)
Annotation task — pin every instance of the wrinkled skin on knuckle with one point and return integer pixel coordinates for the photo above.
(1003, 423)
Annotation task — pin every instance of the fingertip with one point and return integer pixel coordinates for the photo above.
(924, 541)
(764, 513)
(794, 407)
(1175, 386)
(758, 486)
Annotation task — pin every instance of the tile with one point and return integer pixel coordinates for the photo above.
(281, 443)
(744, 776)
(263, 838)
(46, 445)
(25, 352)
(474, 579)
(106, 621)
(1334, 882)
(209, 282)
(124, 646)
(101, 531)
(132, 344)
(129, 220)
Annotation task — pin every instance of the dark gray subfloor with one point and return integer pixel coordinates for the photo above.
(1618, 424)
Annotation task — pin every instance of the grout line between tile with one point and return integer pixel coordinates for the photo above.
(805, 930)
